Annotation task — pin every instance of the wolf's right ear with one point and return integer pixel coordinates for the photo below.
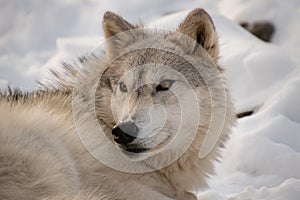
(113, 25)
(199, 26)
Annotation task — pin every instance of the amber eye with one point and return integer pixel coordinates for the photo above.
(164, 85)
(123, 87)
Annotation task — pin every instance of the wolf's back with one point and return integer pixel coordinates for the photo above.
(27, 148)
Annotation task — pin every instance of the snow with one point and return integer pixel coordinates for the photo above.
(262, 158)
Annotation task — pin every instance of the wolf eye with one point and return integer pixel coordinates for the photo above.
(123, 87)
(164, 85)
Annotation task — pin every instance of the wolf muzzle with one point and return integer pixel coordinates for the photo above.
(125, 133)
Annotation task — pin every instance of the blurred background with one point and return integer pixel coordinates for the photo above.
(32, 31)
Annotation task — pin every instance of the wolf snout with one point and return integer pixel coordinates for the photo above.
(125, 133)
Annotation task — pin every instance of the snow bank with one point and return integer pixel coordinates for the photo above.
(264, 148)
(262, 158)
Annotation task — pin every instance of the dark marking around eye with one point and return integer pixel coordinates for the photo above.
(123, 87)
(160, 88)
(164, 85)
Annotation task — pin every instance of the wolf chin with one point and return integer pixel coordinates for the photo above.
(127, 123)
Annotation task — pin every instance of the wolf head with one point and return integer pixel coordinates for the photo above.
(161, 88)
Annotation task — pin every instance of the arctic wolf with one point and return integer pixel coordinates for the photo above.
(143, 120)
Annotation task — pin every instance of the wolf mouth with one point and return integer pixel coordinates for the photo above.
(132, 149)
(136, 150)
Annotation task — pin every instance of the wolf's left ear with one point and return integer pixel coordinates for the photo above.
(112, 25)
(199, 26)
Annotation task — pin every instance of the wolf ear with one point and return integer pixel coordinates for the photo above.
(112, 25)
(199, 26)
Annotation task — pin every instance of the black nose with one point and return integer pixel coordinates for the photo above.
(125, 133)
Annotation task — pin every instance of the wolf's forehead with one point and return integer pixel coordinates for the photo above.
(151, 73)
(150, 64)
(152, 59)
